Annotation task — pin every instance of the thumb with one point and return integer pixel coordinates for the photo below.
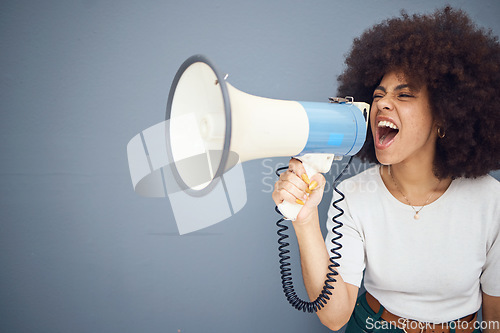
(316, 189)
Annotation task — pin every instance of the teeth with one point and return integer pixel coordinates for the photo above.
(385, 123)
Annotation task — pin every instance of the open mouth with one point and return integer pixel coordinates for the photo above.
(386, 132)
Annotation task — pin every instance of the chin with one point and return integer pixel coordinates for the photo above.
(384, 158)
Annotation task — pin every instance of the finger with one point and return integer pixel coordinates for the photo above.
(295, 187)
(305, 178)
(277, 197)
(318, 181)
(293, 179)
(296, 167)
(287, 196)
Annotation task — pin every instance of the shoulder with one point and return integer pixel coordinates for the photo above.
(483, 187)
(481, 197)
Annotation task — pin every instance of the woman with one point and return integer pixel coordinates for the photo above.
(422, 226)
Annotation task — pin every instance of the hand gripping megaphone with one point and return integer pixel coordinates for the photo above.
(212, 126)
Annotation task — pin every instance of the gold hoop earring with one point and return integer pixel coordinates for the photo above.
(441, 132)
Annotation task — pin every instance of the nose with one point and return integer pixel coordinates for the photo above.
(385, 103)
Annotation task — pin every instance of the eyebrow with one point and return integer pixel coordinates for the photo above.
(399, 87)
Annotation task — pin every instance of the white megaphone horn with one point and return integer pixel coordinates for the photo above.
(213, 125)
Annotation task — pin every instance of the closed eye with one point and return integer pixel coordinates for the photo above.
(405, 96)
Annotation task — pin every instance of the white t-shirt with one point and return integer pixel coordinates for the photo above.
(431, 269)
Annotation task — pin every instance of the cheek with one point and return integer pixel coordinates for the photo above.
(373, 114)
(426, 122)
(420, 120)
(426, 118)
(421, 129)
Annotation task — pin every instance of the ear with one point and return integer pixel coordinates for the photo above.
(440, 129)
(438, 123)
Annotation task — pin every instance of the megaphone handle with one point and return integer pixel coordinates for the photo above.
(313, 163)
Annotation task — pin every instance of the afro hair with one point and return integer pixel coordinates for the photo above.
(458, 62)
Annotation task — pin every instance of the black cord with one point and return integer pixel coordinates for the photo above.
(285, 269)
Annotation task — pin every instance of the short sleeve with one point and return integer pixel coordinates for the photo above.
(352, 262)
(491, 269)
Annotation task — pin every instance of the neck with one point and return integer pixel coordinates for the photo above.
(413, 175)
(414, 180)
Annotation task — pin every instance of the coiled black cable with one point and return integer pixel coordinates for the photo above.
(285, 269)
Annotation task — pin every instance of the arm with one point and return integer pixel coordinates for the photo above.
(313, 252)
(491, 313)
(314, 260)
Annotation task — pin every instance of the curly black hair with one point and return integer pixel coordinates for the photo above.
(458, 62)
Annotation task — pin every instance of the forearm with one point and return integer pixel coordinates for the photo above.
(491, 313)
(314, 258)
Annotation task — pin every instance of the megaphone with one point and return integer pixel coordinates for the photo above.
(221, 126)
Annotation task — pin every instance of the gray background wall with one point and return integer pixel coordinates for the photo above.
(79, 250)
